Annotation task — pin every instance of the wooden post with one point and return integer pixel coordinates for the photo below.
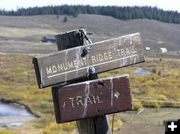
(76, 95)
(96, 125)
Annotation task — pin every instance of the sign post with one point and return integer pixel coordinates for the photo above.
(78, 94)
(94, 125)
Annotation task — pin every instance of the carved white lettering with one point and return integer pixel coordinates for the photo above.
(126, 51)
(85, 61)
(72, 101)
(89, 100)
(79, 100)
(76, 64)
(122, 52)
(83, 101)
(94, 99)
(98, 99)
(132, 49)
(81, 62)
(65, 66)
(48, 70)
(54, 69)
(101, 57)
(93, 58)
(105, 56)
(109, 55)
(60, 68)
(70, 65)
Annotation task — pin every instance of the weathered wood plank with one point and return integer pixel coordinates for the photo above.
(95, 125)
(92, 98)
(106, 55)
(69, 39)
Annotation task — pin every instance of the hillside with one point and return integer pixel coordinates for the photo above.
(151, 92)
(23, 33)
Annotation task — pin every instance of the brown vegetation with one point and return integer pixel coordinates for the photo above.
(18, 83)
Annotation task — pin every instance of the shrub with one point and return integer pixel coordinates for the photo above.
(137, 105)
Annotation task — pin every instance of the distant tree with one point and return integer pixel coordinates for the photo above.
(123, 13)
(75, 14)
(65, 19)
(57, 16)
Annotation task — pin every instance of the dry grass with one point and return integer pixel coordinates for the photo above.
(15, 32)
(18, 83)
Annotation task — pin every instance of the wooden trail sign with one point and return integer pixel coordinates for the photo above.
(92, 98)
(74, 63)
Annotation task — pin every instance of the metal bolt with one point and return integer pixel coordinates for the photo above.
(86, 50)
(91, 70)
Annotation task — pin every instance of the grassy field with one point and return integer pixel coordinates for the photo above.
(18, 83)
(17, 78)
(22, 34)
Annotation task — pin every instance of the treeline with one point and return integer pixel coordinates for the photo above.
(124, 13)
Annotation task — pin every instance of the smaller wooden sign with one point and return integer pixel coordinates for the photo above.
(92, 98)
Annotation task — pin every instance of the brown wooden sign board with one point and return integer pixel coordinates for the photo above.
(106, 55)
(92, 98)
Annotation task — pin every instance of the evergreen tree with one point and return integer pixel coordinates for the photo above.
(65, 19)
(123, 13)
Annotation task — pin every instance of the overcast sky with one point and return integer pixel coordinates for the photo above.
(164, 4)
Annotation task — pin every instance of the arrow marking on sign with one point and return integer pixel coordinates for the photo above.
(116, 94)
